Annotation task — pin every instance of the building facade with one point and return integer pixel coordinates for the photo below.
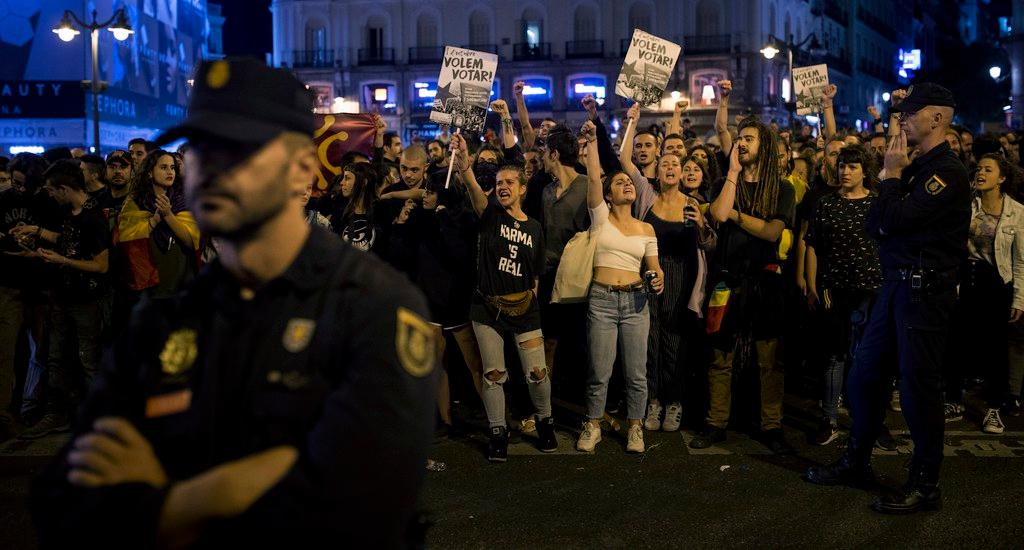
(384, 55)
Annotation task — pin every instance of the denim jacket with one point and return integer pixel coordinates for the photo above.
(1009, 245)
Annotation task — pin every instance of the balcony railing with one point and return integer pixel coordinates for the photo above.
(705, 44)
(376, 56)
(430, 54)
(312, 58)
(529, 52)
(489, 48)
(581, 49)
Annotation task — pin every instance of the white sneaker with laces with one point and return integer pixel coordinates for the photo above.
(653, 420)
(992, 424)
(589, 439)
(673, 414)
(635, 439)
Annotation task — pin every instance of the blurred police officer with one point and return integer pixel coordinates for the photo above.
(286, 398)
(920, 219)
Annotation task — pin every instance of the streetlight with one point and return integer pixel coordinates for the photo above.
(995, 71)
(66, 30)
(774, 47)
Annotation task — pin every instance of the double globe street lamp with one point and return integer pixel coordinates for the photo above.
(67, 30)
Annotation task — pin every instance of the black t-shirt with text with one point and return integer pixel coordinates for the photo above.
(82, 237)
(25, 209)
(510, 252)
(741, 253)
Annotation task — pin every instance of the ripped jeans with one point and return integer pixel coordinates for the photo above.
(492, 351)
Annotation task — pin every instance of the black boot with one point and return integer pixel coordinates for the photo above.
(852, 469)
(497, 447)
(546, 434)
(707, 437)
(921, 492)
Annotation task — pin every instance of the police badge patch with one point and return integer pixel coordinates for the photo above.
(934, 185)
(414, 343)
(179, 352)
(297, 334)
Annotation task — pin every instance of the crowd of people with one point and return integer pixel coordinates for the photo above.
(743, 250)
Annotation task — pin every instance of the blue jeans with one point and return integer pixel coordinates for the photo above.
(617, 318)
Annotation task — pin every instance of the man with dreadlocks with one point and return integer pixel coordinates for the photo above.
(752, 209)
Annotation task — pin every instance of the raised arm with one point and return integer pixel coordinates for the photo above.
(476, 194)
(674, 126)
(722, 115)
(529, 136)
(595, 187)
(876, 120)
(829, 113)
(722, 207)
(626, 153)
(508, 133)
(381, 127)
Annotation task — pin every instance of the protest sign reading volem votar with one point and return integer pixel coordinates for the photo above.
(464, 88)
(809, 84)
(647, 68)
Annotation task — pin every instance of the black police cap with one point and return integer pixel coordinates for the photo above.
(241, 99)
(922, 95)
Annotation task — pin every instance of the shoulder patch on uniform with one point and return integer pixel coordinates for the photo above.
(414, 343)
(934, 185)
(179, 351)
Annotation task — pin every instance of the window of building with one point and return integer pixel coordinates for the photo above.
(533, 28)
(376, 28)
(426, 31)
(584, 24)
(423, 94)
(479, 28)
(704, 85)
(639, 17)
(709, 18)
(382, 96)
(582, 85)
(537, 92)
(316, 37)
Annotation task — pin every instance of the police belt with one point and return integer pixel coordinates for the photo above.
(931, 279)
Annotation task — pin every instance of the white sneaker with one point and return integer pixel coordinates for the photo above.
(653, 420)
(992, 424)
(589, 438)
(635, 439)
(528, 426)
(894, 403)
(673, 415)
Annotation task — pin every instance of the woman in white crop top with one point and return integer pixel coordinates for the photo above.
(617, 316)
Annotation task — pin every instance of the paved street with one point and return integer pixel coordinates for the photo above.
(733, 495)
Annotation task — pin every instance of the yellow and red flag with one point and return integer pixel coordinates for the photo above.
(336, 135)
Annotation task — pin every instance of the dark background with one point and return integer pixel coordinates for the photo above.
(248, 27)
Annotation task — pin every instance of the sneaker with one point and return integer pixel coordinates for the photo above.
(828, 431)
(546, 435)
(590, 437)
(708, 437)
(673, 415)
(894, 403)
(635, 439)
(992, 423)
(775, 440)
(652, 422)
(886, 441)
(497, 446)
(50, 423)
(954, 412)
(527, 426)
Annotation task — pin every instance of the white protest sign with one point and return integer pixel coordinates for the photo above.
(647, 68)
(809, 84)
(464, 88)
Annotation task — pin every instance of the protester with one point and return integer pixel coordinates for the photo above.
(618, 303)
(356, 221)
(510, 258)
(313, 218)
(139, 148)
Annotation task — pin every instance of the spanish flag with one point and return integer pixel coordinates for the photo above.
(132, 235)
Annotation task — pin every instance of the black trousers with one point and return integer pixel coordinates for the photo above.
(917, 331)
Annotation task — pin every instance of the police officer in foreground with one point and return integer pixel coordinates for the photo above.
(920, 219)
(286, 398)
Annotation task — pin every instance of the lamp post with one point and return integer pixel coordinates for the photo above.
(66, 30)
(773, 48)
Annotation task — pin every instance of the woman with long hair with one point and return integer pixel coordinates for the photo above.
(617, 307)
(157, 236)
(683, 236)
(355, 223)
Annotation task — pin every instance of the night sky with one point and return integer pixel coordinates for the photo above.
(247, 29)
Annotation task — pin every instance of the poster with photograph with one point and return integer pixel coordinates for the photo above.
(647, 68)
(464, 88)
(809, 84)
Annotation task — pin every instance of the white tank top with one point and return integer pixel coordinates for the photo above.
(615, 250)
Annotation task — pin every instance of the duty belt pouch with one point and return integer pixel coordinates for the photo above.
(511, 305)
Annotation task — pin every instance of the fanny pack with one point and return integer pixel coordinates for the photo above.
(511, 305)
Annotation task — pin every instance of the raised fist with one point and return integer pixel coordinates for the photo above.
(634, 111)
(682, 105)
(589, 103)
(725, 88)
(517, 88)
(499, 106)
(897, 96)
(829, 92)
(873, 111)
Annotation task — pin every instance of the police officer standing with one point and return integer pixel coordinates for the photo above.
(920, 219)
(286, 398)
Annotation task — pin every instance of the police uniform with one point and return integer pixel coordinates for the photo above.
(333, 357)
(921, 224)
